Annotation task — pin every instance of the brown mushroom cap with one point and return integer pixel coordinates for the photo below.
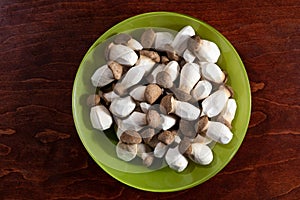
(116, 69)
(201, 125)
(152, 93)
(153, 118)
(93, 100)
(154, 141)
(131, 137)
(167, 137)
(164, 79)
(151, 54)
(120, 90)
(194, 43)
(166, 104)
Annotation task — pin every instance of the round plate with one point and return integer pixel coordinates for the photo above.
(101, 146)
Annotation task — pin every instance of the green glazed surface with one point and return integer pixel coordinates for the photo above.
(101, 146)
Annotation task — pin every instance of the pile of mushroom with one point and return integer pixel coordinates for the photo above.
(166, 96)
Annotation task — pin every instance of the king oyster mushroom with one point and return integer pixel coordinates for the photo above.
(148, 38)
(102, 76)
(201, 154)
(175, 159)
(127, 40)
(201, 90)
(118, 109)
(228, 113)
(122, 54)
(151, 78)
(189, 76)
(146, 63)
(138, 93)
(126, 152)
(208, 51)
(100, 117)
(214, 103)
(189, 56)
(160, 150)
(181, 39)
(132, 77)
(182, 109)
(216, 131)
(212, 72)
(161, 39)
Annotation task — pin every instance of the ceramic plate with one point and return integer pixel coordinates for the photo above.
(101, 146)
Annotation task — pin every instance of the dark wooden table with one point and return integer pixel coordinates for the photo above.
(41, 45)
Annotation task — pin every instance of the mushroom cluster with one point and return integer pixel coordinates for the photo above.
(165, 96)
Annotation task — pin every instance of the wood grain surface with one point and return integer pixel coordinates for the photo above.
(42, 43)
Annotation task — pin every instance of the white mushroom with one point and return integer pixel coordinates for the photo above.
(138, 93)
(134, 44)
(175, 160)
(212, 72)
(172, 68)
(189, 56)
(189, 76)
(110, 96)
(201, 90)
(126, 152)
(182, 109)
(118, 108)
(136, 121)
(145, 63)
(161, 39)
(102, 76)
(181, 39)
(201, 154)
(160, 150)
(219, 132)
(152, 76)
(167, 122)
(228, 113)
(216, 131)
(145, 106)
(100, 117)
(214, 103)
(131, 78)
(122, 54)
(207, 51)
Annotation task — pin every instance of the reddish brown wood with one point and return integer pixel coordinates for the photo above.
(41, 45)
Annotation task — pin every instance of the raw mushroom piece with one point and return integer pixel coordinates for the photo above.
(181, 39)
(161, 39)
(216, 131)
(175, 159)
(148, 38)
(189, 76)
(182, 109)
(145, 63)
(126, 152)
(131, 78)
(122, 54)
(100, 117)
(118, 109)
(102, 76)
(160, 150)
(207, 51)
(212, 72)
(228, 113)
(201, 154)
(201, 90)
(214, 103)
(138, 93)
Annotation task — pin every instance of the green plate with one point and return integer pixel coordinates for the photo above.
(101, 146)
